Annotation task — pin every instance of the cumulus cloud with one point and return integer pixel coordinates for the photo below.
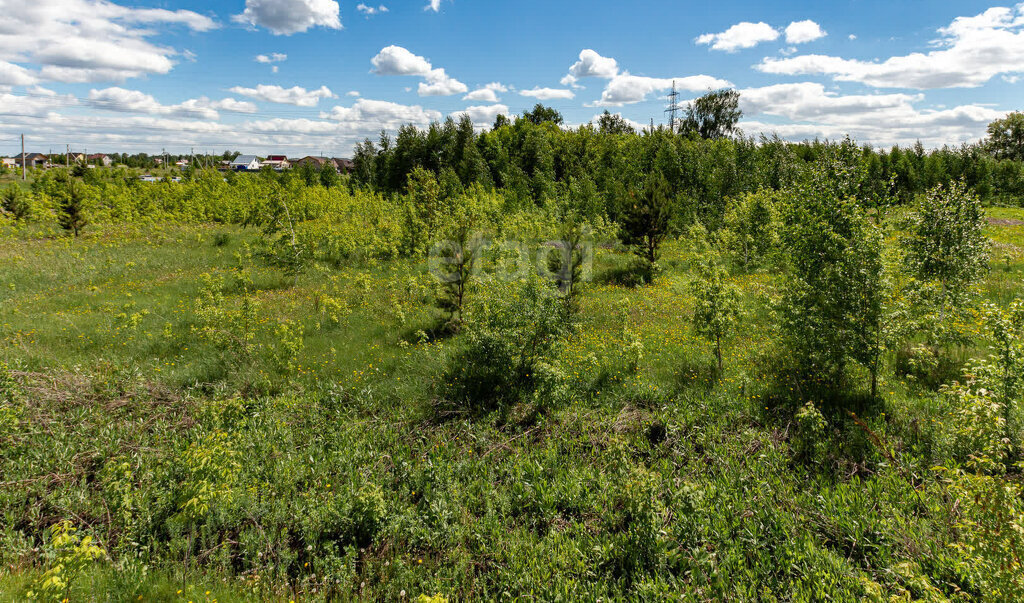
(440, 83)
(135, 101)
(548, 93)
(295, 95)
(15, 75)
(739, 36)
(38, 102)
(592, 64)
(882, 119)
(88, 40)
(970, 52)
(626, 89)
(287, 17)
(801, 32)
(383, 114)
(482, 116)
(395, 60)
(434, 5)
(487, 94)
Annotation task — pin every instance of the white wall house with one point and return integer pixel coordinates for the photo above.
(246, 163)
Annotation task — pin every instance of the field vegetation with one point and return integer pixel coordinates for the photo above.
(533, 363)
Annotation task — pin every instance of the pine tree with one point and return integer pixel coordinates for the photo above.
(71, 207)
(644, 221)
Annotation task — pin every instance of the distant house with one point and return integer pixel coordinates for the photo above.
(316, 162)
(246, 163)
(182, 163)
(277, 162)
(344, 166)
(32, 160)
(8, 162)
(100, 159)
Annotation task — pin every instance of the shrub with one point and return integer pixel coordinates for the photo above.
(16, 203)
(508, 339)
(69, 555)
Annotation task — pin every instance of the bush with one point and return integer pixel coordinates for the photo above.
(509, 338)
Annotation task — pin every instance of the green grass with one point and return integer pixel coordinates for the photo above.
(337, 478)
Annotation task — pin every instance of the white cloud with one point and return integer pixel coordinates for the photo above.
(234, 105)
(88, 40)
(286, 17)
(807, 100)
(395, 60)
(287, 96)
(801, 32)
(625, 89)
(354, 93)
(741, 35)
(15, 75)
(276, 57)
(39, 102)
(487, 94)
(440, 83)
(382, 114)
(548, 93)
(971, 51)
(852, 37)
(134, 101)
(369, 11)
(434, 5)
(482, 116)
(881, 119)
(591, 64)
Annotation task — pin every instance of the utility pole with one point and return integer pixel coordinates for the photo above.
(22, 156)
(673, 108)
(67, 156)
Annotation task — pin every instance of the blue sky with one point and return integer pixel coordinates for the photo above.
(143, 76)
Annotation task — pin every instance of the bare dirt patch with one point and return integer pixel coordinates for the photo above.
(1005, 222)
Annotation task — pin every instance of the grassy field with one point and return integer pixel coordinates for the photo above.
(223, 432)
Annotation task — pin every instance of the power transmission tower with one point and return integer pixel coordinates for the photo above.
(673, 107)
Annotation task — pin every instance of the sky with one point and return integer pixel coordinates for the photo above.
(302, 77)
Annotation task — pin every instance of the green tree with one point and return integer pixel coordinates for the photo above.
(329, 175)
(1006, 137)
(71, 207)
(308, 173)
(717, 304)
(541, 114)
(644, 221)
(831, 304)
(456, 254)
(422, 210)
(713, 115)
(15, 202)
(610, 123)
(945, 243)
(566, 261)
(752, 227)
